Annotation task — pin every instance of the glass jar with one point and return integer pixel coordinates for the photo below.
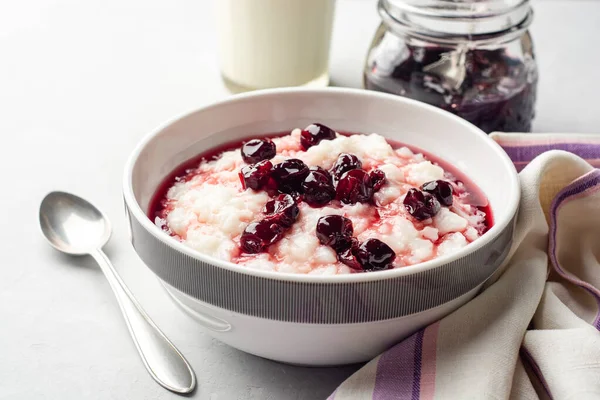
(473, 58)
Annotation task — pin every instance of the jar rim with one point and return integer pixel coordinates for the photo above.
(456, 9)
(451, 22)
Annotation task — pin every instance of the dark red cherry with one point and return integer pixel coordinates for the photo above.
(345, 162)
(282, 209)
(318, 188)
(259, 235)
(421, 205)
(255, 176)
(442, 191)
(377, 179)
(334, 231)
(289, 175)
(346, 255)
(354, 186)
(374, 255)
(320, 170)
(256, 150)
(314, 133)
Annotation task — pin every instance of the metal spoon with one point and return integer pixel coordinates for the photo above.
(74, 226)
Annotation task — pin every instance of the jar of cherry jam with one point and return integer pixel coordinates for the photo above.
(473, 58)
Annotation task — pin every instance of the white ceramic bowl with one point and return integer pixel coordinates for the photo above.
(306, 319)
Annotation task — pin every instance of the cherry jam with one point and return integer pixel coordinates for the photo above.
(489, 88)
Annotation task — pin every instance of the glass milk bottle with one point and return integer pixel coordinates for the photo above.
(274, 43)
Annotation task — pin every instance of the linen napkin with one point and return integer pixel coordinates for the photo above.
(533, 332)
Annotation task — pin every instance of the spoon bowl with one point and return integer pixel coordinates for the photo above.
(73, 225)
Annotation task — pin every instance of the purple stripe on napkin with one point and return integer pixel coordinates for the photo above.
(529, 152)
(396, 371)
(523, 148)
(418, 357)
(577, 188)
(536, 369)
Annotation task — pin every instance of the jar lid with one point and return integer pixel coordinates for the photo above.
(447, 18)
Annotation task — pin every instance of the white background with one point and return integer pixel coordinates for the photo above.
(80, 83)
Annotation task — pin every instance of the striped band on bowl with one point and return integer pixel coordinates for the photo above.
(316, 302)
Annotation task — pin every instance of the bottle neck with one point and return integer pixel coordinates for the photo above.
(457, 22)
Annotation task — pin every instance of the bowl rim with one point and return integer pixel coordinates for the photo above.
(134, 209)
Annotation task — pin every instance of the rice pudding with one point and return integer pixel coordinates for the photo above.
(315, 201)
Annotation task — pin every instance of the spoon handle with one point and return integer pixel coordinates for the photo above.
(162, 359)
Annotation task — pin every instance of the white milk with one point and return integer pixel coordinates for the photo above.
(274, 43)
